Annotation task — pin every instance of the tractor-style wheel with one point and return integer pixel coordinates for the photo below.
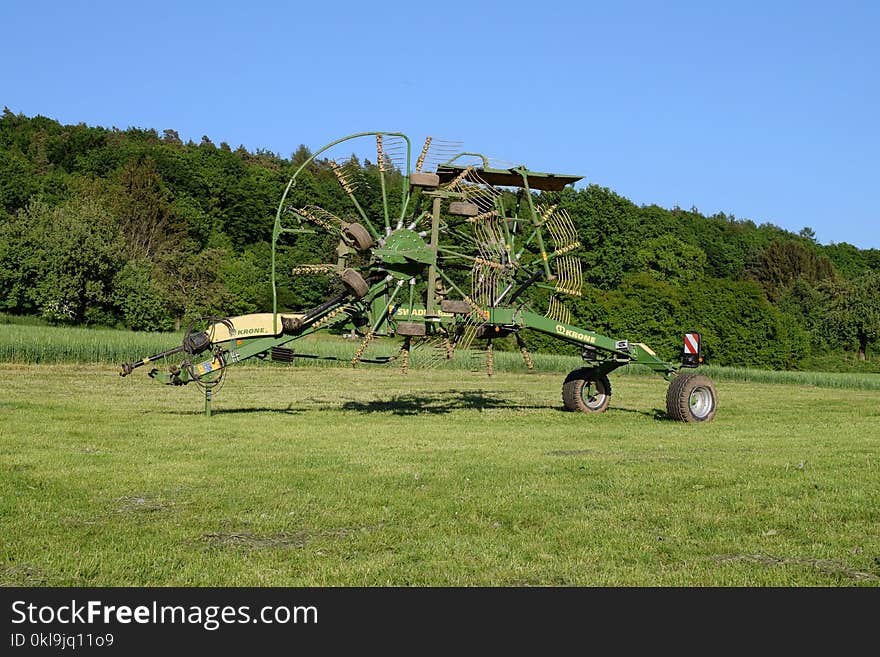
(691, 397)
(586, 392)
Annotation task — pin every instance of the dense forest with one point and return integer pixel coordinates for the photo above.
(135, 229)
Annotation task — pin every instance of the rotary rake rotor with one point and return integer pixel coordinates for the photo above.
(461, 237)
(441, 254)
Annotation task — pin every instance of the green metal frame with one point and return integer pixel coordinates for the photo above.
(278, 229)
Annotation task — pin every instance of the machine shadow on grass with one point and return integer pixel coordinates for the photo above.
(657, 414)
(424, 403)
(439, 404)
(402, 405)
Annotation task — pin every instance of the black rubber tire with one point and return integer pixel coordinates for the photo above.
(355, 282)
(585, 392)
(359, 236)
(691, 397)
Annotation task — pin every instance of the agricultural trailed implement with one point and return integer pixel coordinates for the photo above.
(439, 255)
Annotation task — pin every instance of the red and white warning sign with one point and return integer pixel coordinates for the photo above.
(692, 343)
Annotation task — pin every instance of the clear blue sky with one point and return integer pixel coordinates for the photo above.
(766, 110)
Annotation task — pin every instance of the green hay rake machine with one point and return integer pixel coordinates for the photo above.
(443, 265)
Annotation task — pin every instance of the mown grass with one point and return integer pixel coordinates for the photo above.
(308, 476)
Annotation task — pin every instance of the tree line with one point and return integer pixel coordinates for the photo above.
(130, 228)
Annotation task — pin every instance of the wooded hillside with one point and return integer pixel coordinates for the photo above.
(132, 228)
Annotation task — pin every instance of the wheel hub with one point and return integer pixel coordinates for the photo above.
(700, 402)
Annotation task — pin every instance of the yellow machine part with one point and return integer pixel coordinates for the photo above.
(256, 325)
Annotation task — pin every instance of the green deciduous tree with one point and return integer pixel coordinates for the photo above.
(18, 180)
(141, 300)
(852, 311)
(847, 259)
(246, 277)
(785, 261)
(740, 327)
(193, 283)
(668, 258)
(64, 260)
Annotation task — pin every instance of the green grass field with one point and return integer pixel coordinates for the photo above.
(341, 476)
